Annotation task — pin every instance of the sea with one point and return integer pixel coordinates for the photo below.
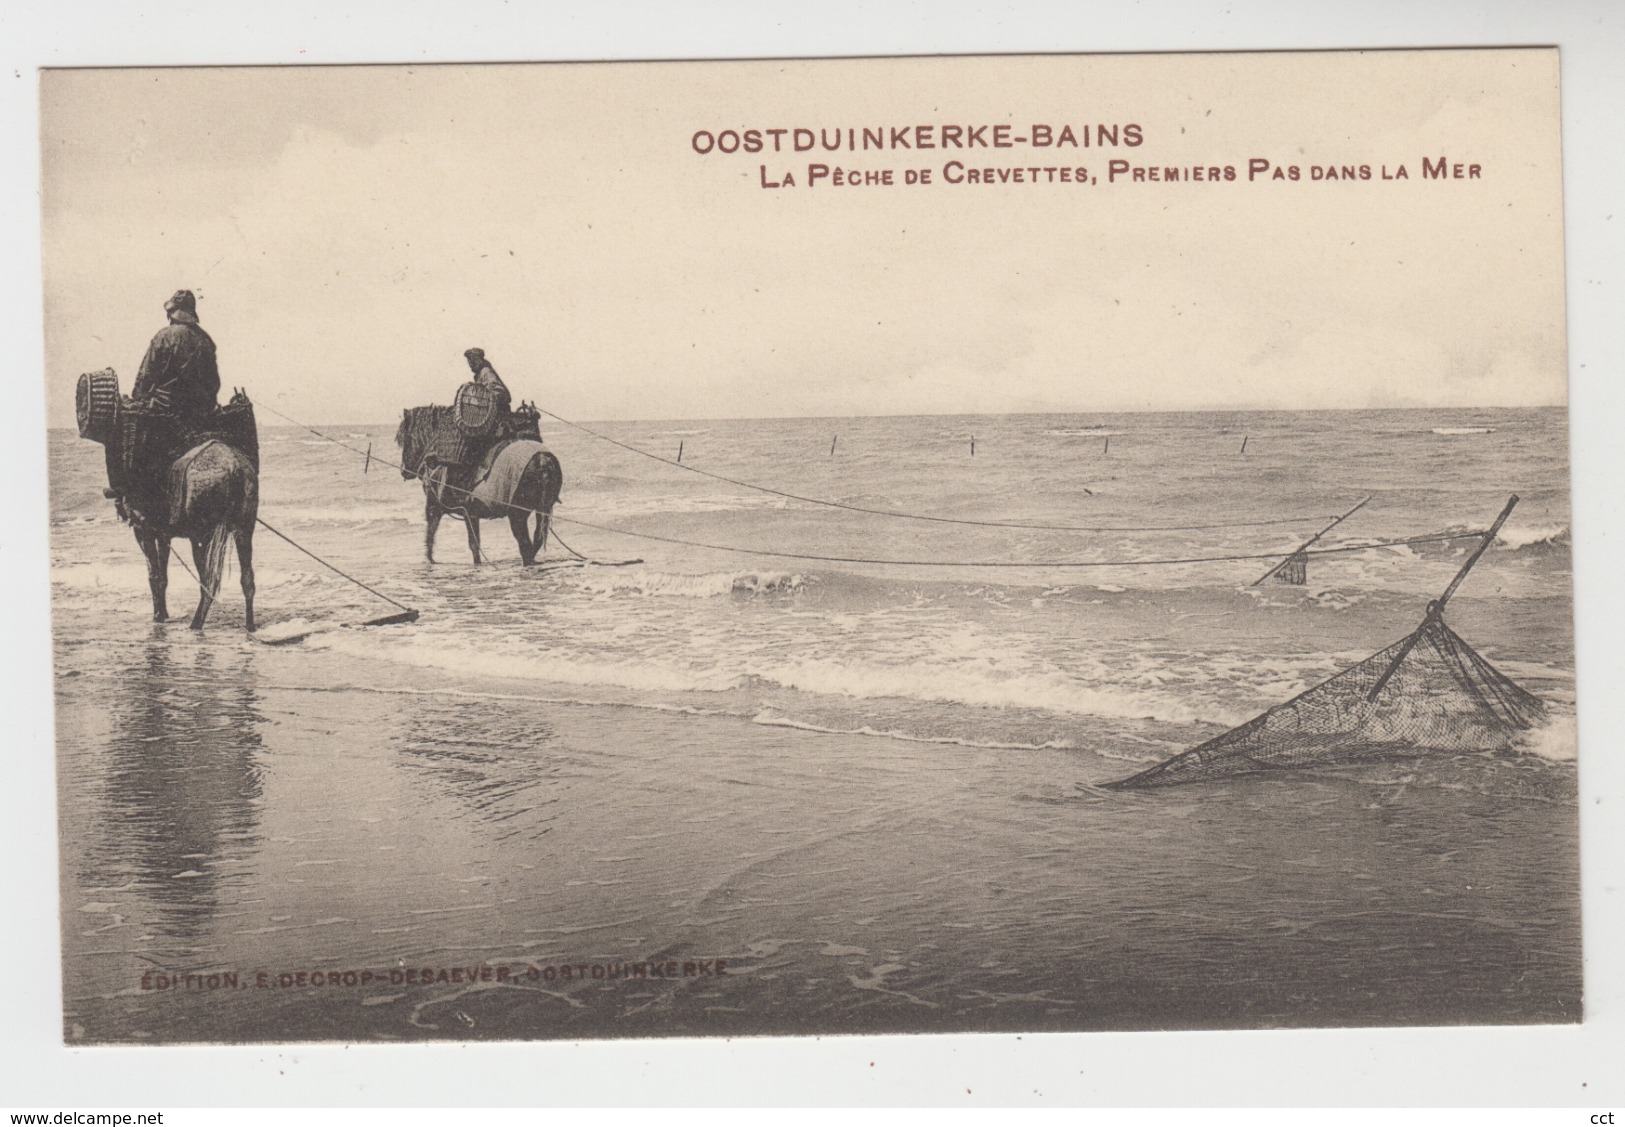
(731, 762)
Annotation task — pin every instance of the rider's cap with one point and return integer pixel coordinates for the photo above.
(475, 354)
(183, 299)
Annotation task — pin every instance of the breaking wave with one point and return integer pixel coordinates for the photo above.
(1513, 537)
(675, 584)
(1556, 740)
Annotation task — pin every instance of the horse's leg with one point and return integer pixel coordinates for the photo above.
(520, 523)
(156, 549)
(473, 523)
(245, 560)
(544, 525)
(206, 579)
(431, 514)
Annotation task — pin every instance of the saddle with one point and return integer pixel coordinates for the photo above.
(465, 478)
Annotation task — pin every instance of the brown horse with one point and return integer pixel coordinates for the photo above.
(210, 496)
(524, 480)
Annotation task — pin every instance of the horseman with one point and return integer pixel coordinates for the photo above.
(179, 369)
(176, 388)
(522, 422)
(486, 376)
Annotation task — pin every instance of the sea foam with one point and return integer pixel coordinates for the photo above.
(1512, 537)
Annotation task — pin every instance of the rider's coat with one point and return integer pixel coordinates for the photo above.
(180, 366)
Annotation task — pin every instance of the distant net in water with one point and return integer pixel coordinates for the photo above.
(1428, 692)
(1294, 569)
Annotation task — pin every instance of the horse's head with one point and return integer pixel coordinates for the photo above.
(409, 438)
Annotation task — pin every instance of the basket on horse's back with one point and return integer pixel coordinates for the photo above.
(476, 409)
(234, 425)
(96, 405)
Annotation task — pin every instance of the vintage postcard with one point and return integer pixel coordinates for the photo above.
(811, 547)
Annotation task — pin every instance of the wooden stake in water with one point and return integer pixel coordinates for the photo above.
(1107, 449)
(1244, 444)
(832, 443)
(368, 466)
(973, 446)
(679, 451)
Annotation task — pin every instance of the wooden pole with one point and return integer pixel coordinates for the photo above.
(1244, 443)
(368, 466)
(1483, 546)
(1436, 607)
(973, 446)
(1309, 543)
(679, 451)
(832, 443)
(1108, 448)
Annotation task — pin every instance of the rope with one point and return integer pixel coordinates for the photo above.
(918, 516)
(333, 569)
(1275, 555)
(1024, 563)
(566, 547)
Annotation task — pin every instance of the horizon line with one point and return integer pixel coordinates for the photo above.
(977, 415)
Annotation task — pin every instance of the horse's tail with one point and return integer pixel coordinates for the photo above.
(538, 491)
(215, 556)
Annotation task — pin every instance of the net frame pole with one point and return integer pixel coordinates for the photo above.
(1310, 543)
(1435, 610)
(1483, 546)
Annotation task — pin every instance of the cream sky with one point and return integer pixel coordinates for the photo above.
(349, 231)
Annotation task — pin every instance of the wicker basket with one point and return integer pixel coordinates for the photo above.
(149, 438)
(234, 425)
(96, 403)
(476, 409)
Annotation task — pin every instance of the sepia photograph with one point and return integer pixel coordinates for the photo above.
(981, 544)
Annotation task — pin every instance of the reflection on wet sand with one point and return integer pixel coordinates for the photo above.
(182, 784)
(498, 762)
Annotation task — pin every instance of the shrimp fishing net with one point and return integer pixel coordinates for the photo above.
(1294, 569)
(1428, 692)
(1442, 696)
